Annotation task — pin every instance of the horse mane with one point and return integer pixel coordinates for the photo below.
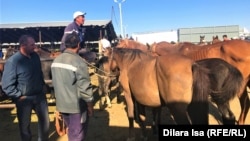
(129, 54)
(102, 60)
(126, 43)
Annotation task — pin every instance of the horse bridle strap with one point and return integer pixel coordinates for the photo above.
(98, 69)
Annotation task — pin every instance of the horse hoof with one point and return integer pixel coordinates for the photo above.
(119, 101)
(101, 107)
(109, 106)
(229, 121)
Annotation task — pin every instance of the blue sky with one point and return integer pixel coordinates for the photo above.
(138, 15)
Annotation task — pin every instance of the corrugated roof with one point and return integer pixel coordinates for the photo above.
(53, 24)
(53, 31)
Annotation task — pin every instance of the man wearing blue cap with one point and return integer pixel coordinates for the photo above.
(77, 26)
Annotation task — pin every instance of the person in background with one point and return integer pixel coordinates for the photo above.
(23, 81)
(73, 89)
(77, 26)
(105, 43)
(225, 38)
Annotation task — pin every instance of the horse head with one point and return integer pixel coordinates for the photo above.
(202, 38)
(112, 62)
(123, 43)
(215, 39)
(42, 52)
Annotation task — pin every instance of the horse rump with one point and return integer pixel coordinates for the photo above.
(226, 81)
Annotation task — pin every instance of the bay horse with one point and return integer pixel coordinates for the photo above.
(235, 52)
(172, 80)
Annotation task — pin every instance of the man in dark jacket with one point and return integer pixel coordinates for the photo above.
(23, 82)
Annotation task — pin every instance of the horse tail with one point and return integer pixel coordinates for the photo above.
(198, 108)
(228, 83)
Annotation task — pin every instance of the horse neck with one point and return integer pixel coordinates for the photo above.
(42, 53)
(129, 57)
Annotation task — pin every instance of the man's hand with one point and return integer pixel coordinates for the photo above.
(21, 98)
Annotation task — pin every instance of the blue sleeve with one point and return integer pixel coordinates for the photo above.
(70, 27)
(9, 81)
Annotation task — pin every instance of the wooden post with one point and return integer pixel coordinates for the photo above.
(100, 45)
(40, 38)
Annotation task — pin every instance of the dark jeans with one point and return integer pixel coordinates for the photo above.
(77, 125)
(24, 111)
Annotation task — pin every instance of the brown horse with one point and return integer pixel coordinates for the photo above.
(235, 52)
(185, 48)
(136, 66)
(173, 80)
(202, 41)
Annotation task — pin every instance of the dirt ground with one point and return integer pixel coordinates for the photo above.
(110, 124)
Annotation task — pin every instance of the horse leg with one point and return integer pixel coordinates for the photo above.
(179, 112)
(100, 92)
(131, 136)
(140, 115)
(201, 108)
(156, 119)
(245, 105)
(119, 93)
(108, 101)
(130, 114)
(227, 115)
(49, 90)
(52, 97)
(107, 92)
